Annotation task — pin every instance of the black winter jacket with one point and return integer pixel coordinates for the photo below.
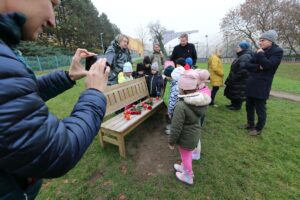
(184, 52)
(262, 69)
(238, 76)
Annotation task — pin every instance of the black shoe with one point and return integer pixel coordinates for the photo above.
(229, 105)
(254, 132)
(247, 127)
(233, 108)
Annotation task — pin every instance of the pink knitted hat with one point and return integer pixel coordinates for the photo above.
(203, 77)
(188, 80)
(168, 63)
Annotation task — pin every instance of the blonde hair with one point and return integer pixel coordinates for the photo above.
(184, 35)
(120, 37)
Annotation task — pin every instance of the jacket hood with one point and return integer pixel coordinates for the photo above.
(243, 52)
(196, 101)
(11, 27)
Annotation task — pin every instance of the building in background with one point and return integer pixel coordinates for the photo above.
(136, 47)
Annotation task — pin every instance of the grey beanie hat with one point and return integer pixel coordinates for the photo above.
(270, 35)
(154, 66)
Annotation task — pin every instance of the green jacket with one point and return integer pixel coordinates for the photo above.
(185, 127)
(167, 93)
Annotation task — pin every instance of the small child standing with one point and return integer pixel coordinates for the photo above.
(185, 128)
(126, 75)
(155, 81)
(140, 71)
(174, 92)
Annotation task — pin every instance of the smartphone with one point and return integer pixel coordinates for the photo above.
(89, 61)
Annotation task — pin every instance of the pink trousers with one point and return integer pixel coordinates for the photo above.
(186, 158)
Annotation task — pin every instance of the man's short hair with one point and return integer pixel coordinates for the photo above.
(184, 35)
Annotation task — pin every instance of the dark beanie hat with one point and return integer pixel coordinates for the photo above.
(244, 45)
(168, 71)
(147, 60)
(140, 67)
(181, 61)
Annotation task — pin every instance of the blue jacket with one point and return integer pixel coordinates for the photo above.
(33, 142)
(260, 80)
(173, 97)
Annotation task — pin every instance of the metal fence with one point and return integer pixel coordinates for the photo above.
(40, 63)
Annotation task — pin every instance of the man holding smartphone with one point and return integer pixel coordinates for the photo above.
(34, 144)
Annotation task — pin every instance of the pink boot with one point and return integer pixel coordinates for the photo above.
(185, 178)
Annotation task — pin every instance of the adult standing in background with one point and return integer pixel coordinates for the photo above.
(262, 67)
(117, 54)
(216, 71)
(158, 57)
(184, 50)
(238, 76)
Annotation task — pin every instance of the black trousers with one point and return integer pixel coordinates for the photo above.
(258, 105)
(213, 94)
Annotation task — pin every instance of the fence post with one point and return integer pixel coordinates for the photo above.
(56, 60)
(39, 63)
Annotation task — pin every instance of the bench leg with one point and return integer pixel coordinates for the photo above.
(122, 149)
(101, 134)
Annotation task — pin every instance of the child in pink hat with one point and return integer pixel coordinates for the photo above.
(185, 126)
(203, 88)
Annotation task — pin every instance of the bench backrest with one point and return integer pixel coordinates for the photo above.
(120, 95)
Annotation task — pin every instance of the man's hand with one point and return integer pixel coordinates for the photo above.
(260, 50)
(161, 54)
(76, 70)
(97, 76)
(171, 147)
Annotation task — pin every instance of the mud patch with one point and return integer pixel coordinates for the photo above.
(148, 147)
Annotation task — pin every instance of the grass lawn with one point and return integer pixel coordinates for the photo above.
(233, 165)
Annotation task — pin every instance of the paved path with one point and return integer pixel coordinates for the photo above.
(285, 95)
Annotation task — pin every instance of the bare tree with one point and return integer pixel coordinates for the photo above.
(142, 34)
(253, 17)
(235, 25)
(260, 13)
(288, 25)
(157, 31)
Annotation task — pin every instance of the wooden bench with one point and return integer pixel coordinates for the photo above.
(118, 96)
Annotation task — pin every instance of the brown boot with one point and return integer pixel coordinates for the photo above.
(254, 132)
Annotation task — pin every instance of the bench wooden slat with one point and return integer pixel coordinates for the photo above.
(122, 124)
(118, 96)
(111, 123)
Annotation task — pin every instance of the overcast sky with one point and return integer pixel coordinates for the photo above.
(176, 15)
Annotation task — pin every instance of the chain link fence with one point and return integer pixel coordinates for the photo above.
(42, 63)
